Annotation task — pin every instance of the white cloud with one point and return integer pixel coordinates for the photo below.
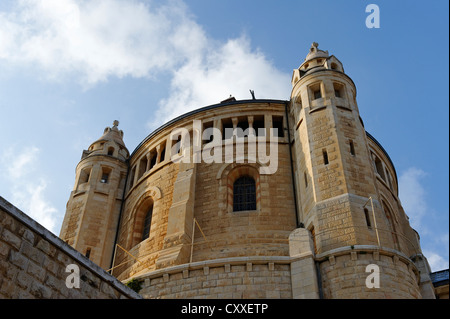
(437, 256)
(95, 40)
(222, 70)
(92, 41)
(414, 201)
(31, 199)
(436, 261)
(26, 187)
(413, 196)
(20, 164)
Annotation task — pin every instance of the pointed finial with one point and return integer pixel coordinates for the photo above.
(115, 123)
(315, 44)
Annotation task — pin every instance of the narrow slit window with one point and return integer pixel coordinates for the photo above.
(88, 253)
(366, 215)
(111, 151)
(153, 158)
(325, 157)
(147, 223)
(163, 153)
(306, 179)
(133, 173)
(352, 148)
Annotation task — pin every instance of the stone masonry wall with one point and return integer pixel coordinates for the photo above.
(239, 280)
(33, 264)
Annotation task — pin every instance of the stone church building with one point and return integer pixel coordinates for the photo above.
(252, 199)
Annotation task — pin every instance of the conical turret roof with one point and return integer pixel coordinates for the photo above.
(112, 134)
(315, 52)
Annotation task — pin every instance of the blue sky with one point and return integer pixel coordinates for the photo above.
(69, 68)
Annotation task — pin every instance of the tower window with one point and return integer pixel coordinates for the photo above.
(111, 151)
(352, 148)
(244, 194)
(147, 223)
(315, 91)
(325, 157)
(306, 179)
(88, 253)
(317, 94)
(105, 175)
(366, 215)
(84, 175)
(338, 90)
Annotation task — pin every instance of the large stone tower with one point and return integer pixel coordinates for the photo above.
(347, 188)
(92, 214)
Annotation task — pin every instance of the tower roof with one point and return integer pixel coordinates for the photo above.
(314, 52)
(112, 134)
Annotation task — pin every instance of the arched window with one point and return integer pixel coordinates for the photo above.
(244, 194)
(147, 223)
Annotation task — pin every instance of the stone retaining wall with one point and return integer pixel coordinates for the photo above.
(33, 264)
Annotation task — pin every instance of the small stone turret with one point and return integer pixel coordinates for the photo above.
(92, 214)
